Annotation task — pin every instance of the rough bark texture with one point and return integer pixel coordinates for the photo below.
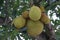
(42, 36)
(50, 31)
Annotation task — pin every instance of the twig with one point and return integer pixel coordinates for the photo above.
(31, 3)
(6, 11)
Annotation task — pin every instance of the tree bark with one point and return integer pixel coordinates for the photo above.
(50, 32)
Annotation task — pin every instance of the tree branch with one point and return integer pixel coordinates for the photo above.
(6, 11)
(50, 31)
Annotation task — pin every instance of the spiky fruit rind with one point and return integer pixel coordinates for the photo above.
(25, 14)
(19, 22)
(35, 13)
(45, 19)
(34, 28)
(42, 8)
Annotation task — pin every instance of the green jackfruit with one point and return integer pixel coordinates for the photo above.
(34, 28)
(42, 8)
(44, 18)
(35, 13)
(25, 14)
(19, 22)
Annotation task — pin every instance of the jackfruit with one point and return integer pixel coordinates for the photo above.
(34, 28)
(35, 13)
(44, 18)
(42, 9)
(19, 22)
(25, 14)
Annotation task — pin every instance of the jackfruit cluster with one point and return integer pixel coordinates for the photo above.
(33, 20)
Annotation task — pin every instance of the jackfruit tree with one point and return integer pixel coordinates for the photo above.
(29, 19)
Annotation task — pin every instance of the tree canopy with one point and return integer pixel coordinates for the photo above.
(10, 9)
